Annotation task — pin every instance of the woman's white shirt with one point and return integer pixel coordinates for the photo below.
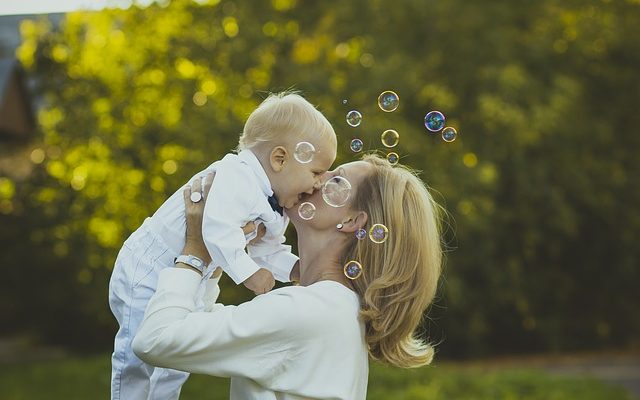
(295, 342)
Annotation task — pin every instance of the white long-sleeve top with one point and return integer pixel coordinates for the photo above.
(239, 195)
(291, 343)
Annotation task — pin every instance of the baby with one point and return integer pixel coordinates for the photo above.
(285, 149)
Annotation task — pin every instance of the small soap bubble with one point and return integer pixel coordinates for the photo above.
(388, 101)
(336, 191)
(353, 269)
(378, 233)
(304, 152)
(356, 145)
(449, 134)
(344, 101)
(390, 138)
(354, 118)
(306, 210)
(361, 234)
(434, 121)
(393, 158)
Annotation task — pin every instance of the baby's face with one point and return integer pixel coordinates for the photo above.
(298, 178)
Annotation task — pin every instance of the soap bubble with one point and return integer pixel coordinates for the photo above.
(304, 152)
(354, 118)
(378, 233)
(388, 101)
(434, 121)
(353, 269)
(390, 138)
(356, 145)
(449, 134)
(306, 210)
(336, 191)
(361, 234)
(344, 101)
(393, 158)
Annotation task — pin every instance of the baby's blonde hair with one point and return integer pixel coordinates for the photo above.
(283, 116)
(400, 275)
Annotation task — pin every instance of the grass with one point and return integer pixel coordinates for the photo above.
(88, 378)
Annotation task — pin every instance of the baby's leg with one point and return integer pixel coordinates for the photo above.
(132, 284)
(129, 375)
(166, 384)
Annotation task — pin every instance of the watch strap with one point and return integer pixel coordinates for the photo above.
(191, 261)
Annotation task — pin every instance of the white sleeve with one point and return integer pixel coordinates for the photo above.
(251, 340)
(277, 258)
(228, 208)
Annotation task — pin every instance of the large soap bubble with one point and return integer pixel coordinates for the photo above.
(304, 152)
(336, 191)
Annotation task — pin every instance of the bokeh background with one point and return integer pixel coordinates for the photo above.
(541, 185)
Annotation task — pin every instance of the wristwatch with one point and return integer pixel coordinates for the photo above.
(191, 261)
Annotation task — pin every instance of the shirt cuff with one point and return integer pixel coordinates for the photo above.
(176, 287)
(242, 269)
(179, 280)
(211, 293)
(282, 264)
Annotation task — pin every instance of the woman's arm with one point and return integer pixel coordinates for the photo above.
(194, 243)
(253, 340)
(249, 340)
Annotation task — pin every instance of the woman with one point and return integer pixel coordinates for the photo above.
(312, 340)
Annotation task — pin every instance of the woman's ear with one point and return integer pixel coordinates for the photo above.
(277, 158)
(355, 222)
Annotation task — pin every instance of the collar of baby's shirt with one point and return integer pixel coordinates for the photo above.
(250, 159)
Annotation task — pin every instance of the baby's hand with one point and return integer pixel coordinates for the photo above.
(260, 282)
(251, 227)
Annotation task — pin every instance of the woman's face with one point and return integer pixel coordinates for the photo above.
(325, 215)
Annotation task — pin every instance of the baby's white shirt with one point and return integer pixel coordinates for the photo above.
(239, 195)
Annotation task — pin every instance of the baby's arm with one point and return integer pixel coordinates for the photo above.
(260, 282)
(277, 257)
(229, 205)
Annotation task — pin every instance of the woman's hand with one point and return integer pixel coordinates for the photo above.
(194, 243)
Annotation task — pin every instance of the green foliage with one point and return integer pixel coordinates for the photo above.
(541, 184)
(90, 379)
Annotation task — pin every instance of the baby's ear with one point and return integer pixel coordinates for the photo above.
(278, 158)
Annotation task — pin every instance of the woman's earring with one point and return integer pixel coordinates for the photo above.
(352, 270)
(339, 226)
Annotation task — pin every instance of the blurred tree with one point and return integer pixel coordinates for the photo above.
(541, 184)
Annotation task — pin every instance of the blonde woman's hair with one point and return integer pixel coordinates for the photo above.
(282, 116)
(400, 276)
